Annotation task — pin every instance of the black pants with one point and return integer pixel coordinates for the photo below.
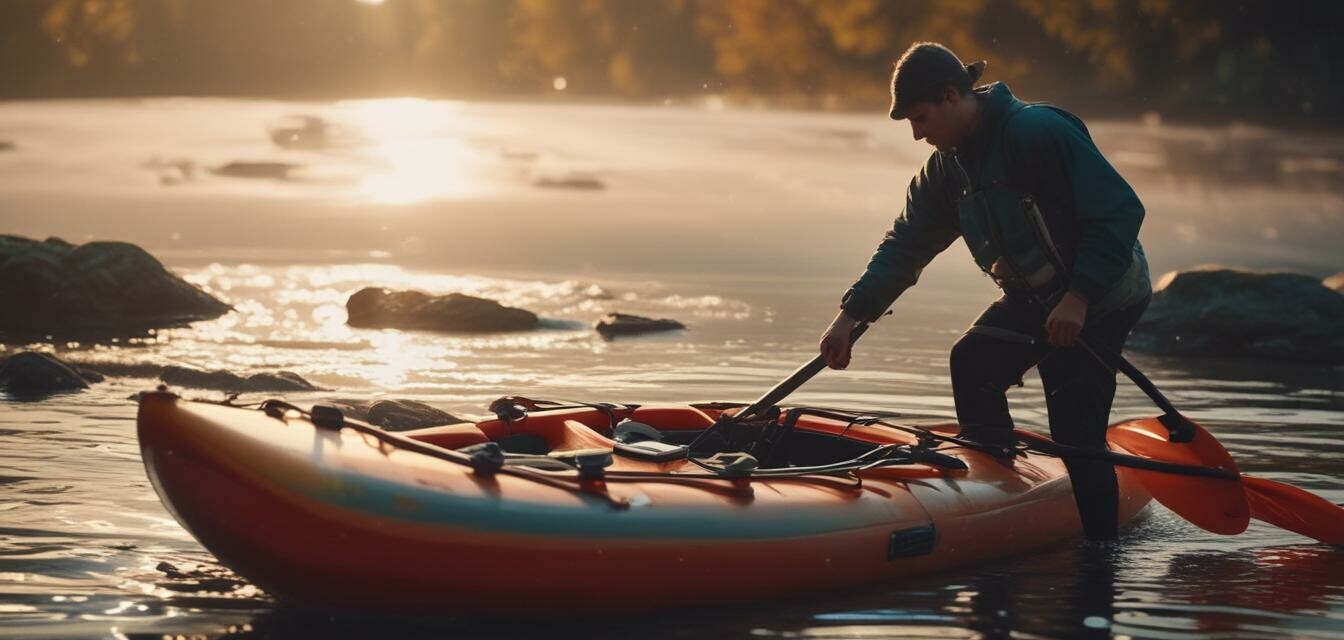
(1007, 340)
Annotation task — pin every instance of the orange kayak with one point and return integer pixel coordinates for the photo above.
(589, 509)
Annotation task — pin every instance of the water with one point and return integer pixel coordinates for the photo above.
(744, 225)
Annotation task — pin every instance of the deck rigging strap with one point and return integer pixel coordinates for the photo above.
(512, 409)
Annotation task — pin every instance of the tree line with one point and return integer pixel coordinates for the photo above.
(1207, 59)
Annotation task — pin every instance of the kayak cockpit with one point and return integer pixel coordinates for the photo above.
(662, 434)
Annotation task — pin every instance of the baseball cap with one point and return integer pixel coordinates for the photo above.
(923, 71)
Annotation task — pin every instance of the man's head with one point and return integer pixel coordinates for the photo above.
(932, 89)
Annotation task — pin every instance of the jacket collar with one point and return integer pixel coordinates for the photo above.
(999, 101)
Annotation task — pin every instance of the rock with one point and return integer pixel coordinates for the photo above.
(623, 324)
(30, 373)
(577, 181)
(98, 289)
(303, 131)
(226, 381)
(395, 415)
(267, 170)
(1214, 311)
(300, 132)
(374, 308)
(1335, 282)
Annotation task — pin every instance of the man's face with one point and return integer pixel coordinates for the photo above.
(936, 122)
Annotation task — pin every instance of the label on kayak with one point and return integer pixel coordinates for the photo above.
(915, 541)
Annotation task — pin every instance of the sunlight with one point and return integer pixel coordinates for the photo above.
(418, 160)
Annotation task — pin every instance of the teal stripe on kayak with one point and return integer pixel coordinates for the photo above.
(593, 518)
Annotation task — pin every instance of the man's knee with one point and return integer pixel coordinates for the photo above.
(985, 361)
(963, 358)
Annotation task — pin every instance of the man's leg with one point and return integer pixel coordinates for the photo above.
(991, 356)
(1078, 393)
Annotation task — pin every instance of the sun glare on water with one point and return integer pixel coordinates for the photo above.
(419, 151)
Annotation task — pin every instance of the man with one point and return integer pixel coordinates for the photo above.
(1049, 219)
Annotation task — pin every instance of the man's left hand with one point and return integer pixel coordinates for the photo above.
(1066, 321)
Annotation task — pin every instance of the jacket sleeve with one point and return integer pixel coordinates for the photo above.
(927, 225)
(1059, 154)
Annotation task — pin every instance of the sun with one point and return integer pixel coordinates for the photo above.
(419, 147)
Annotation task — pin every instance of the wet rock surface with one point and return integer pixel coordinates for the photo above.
(30, 373)
(375, 308)
(394, 415)
(55, 288)
(1214, 311)
(624, 324)
(227, 381)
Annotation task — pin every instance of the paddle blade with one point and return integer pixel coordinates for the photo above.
(1294, 509)
(1213, 504)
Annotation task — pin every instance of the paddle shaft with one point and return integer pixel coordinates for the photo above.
(795, 380)
(1050, 447)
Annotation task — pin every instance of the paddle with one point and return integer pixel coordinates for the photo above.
(796, 379)
(1214, 504)
(1294, 509)
(1210, 503)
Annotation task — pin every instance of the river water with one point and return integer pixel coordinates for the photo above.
(744, 224)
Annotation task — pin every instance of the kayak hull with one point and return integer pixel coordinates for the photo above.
(336, 519)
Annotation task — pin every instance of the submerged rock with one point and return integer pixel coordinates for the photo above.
(96, 289)
(1213, 311)
(30, 373)
(395, 415)
(266, 170)
(226, 381)
(622, 324)
(580, 182)
(375, 308)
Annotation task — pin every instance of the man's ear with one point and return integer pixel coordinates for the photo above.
(951, 96)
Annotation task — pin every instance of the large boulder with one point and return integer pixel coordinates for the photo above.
(1215, 311)
(98, 289)
(30, 373)
(624, 324)
(375, 308)
(395, 415)
(226, 381)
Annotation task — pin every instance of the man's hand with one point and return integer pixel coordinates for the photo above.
(1066, 321)
(835, 342)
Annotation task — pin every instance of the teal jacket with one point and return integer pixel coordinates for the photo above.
(1093, 214)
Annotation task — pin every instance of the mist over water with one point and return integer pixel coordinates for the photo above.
(745, 225)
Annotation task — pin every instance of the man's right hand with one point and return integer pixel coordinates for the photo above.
(835, 344)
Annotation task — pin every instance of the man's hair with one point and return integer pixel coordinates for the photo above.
(924, 70)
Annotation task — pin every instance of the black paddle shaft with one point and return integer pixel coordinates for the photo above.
(795, 380)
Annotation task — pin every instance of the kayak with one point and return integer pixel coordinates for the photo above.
(552, 509)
